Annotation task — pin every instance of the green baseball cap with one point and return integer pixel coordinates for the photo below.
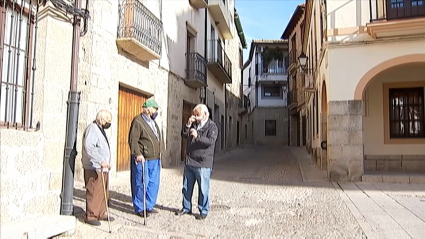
(150, 103)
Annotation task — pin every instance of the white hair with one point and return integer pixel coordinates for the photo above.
(203, 108)
(103, 114)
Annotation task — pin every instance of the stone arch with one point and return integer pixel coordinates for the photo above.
(364, 81)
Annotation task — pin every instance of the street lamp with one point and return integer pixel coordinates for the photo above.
(284, 88)
(302, 60)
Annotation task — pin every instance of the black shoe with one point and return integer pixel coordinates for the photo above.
(201, 217)
(111, 219)
(182, 212)
(140, 214)
(92, 222)
(153, 210)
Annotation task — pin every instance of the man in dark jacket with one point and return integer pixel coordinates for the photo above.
(201, 134)
(144, 140)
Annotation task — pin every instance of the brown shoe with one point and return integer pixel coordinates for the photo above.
(92, 222)
(111, 219)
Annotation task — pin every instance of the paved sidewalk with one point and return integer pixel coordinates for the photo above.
(383, 210)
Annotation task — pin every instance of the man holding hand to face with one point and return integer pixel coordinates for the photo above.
(201, 134)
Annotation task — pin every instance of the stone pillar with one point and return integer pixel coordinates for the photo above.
(345, 140)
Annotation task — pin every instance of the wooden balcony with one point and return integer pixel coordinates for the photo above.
(139, 31)
(389, 18)
(219, 10)
(198, 4)
(196, 71)
(219, 63)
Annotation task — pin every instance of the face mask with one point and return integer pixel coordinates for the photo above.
(154, 115)
(107, 125)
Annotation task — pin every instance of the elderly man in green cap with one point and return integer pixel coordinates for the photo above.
(144, 140)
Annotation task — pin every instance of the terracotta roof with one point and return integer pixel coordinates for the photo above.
(296, 16)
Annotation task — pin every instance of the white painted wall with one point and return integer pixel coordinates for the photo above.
(175, 16)
(343, 78)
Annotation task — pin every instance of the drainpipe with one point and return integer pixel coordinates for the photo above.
(71, 123)
(205, 53)
(226, 106)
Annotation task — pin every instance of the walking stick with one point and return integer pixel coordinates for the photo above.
(106, 200)
(144, 193)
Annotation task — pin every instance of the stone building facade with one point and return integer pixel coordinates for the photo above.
(265, 77)
(363, 61)
(113, 75)
(298, 91)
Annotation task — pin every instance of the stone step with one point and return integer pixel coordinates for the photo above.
(393, 178)
(42, 227)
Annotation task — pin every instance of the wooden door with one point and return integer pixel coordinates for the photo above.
(187, 112)
(129, 105)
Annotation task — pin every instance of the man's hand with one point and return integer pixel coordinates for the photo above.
(140, 158)
(190, 120)
(194, 133)
(105, 165)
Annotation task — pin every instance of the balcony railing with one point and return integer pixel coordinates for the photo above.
(139, 28)
(273, 69)
(395, 9)
(196, 70)
(218, 62)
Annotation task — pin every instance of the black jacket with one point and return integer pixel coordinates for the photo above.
(200, 151)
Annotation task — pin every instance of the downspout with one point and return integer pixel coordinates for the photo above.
(205, 53)
(70, 151)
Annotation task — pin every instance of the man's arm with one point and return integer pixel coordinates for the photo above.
(133, 138)
(185, 131)
(210, 138)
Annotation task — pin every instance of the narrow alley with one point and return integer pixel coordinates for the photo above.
(256, 192)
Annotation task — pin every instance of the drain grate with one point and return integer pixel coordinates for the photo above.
(217, 207)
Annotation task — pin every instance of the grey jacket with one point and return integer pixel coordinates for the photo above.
(95, 148)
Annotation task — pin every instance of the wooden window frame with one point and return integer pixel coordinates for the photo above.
(386, 114)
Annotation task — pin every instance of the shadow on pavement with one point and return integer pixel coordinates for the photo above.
(117, 201)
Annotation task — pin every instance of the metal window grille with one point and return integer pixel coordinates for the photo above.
(406, 107)
(18, 31)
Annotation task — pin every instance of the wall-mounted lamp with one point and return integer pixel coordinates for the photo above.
(302, 60)
(284, 88)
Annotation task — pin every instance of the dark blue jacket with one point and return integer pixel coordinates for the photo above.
(200, 151)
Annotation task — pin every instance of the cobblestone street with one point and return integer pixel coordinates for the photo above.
(256, 192)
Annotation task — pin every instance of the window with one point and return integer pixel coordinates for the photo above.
(15, 65)
(272, 91)
(406, 112)
(249, 78)
(270, 128)
(418, 2)
(240, 58)
(294, 49)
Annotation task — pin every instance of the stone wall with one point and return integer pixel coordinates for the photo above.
(345, 140)
(177, 93)
(259, 115)
(30, 187)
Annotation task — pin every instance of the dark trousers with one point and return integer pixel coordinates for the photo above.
(95, 197)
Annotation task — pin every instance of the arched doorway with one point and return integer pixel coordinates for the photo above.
(324, 125)
(393, 93)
